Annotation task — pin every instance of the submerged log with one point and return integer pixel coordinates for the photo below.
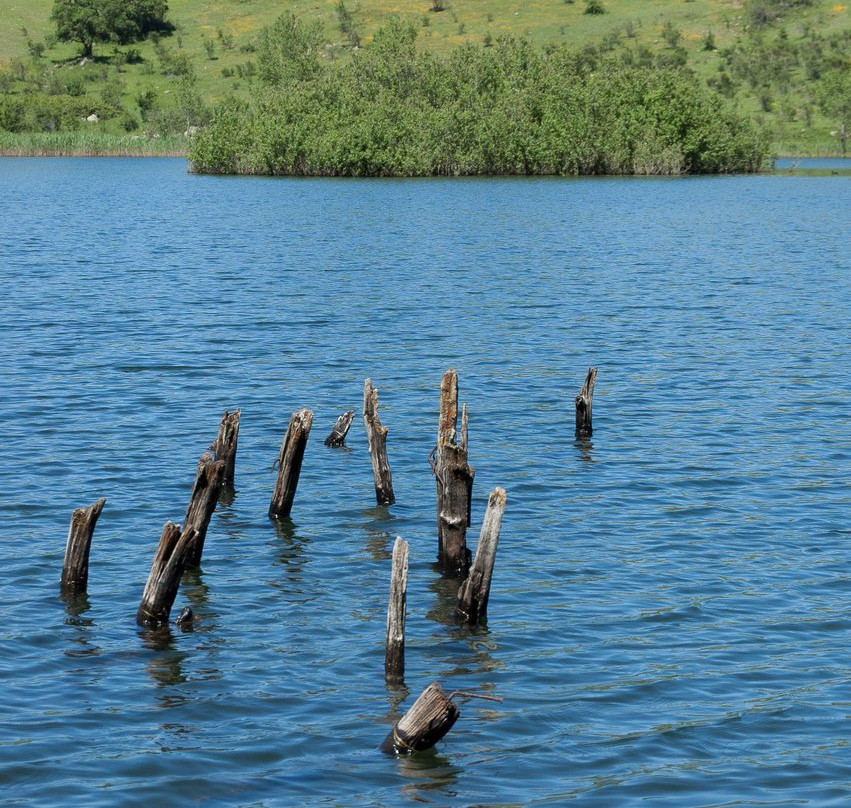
(430, 717)
(224, 446)
(289, 464)
(75, 571)
(453, 481)
(341, 429)
(168, 566)
(394, 658)
(202, 502)
(475, 591)
(376, 435)
(583, 405)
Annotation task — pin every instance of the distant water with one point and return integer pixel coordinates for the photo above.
(670, 618)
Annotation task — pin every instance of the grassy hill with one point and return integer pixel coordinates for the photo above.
(211, 53)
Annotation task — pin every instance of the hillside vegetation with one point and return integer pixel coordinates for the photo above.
(782, 64)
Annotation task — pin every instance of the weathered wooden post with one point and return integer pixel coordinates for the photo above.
(475, 591)
(289, 464)
(75, 571)
(453, 481)
(583, 405)
(167, 568)
(430, 717)
(394, 658)
(224, 446)
(376, 435)
(341, 429)
(202, 502)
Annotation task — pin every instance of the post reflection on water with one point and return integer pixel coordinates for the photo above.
(379, 539)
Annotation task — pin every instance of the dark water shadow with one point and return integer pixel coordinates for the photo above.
(291, 551)
(76, 606)
(424, 774)
(585, 449)
(379, 538)
(165, 665)
(227, 496)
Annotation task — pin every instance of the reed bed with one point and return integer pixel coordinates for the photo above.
(89, 144)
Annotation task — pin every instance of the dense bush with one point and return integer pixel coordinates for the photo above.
(505, 109)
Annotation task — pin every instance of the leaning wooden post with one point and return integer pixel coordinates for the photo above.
(224, 446)
(341, 429)
(430, 717)
(394, 658)
(164, 579)
(453, 480)
(75, 571)
(202, 502)
(475, 591)
(376, 435)
(289, 464)
(583, 405)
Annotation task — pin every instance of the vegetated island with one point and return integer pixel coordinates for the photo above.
(504, 109)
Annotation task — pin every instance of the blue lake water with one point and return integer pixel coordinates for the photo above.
(670, 617)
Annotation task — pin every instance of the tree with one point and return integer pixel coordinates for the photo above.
(834, 97)
(119, 21)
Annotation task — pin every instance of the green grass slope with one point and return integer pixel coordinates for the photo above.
(217, 39)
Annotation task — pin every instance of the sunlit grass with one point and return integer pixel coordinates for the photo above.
(88, 144)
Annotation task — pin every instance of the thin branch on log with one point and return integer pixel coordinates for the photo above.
(289, 464)
(453, 481)
(475, 591)
(583, 405)
(376, 435)
(224, 446)
(167, 568)
(205, 494)
(75, 571)
(394, 658)
(341, 429)
(430, 717)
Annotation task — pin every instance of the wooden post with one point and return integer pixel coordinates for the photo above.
(341, 429)
(430, 717)
(453, 481)
(289, 464)
(224, 446)
(377, 438)
(164, 579)
(202, 502)
(394, 658)
(583, 405)
(75, 571)
(475, 591)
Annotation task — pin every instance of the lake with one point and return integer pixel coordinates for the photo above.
(670, 614)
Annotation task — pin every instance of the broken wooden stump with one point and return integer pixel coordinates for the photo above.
(75, 571)
(430, 717)
(168, 566)
(376, 435)
(394, 657)
(224, 446)
(583, 405)
(202, 502)
(289, 464)
(475, 591)
(341, 429)
(453, 481)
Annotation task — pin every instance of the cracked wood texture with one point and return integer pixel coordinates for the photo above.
(583, 405)
(75, 570)
(376, 435)
(289, 464)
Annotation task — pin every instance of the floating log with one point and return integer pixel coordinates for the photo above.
(453, 481)
(377, 438)
(289, 464)
(475, 591)
(394, 658)
(583, 405)
(430, 717)
(224, 446)
(341, 429)
(168, 566)
(205, 494)
(75, 571)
